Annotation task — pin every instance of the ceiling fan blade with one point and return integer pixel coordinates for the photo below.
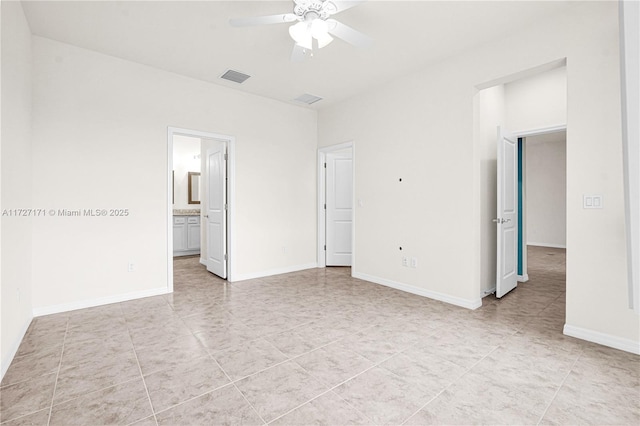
(348, 34)
(344, 5)
(298, 53)
(263, 20)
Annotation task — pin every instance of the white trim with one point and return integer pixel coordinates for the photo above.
(231, 196)
(540, 131)
(203, 262)
(464, 303)
(322, 156)
(615, 342)
(66, 307)
(277, 271)
(523, 278)
(6, 362)
(630, 75)
(550, 245)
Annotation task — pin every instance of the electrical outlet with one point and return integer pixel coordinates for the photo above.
(131, 267)
(405, 261)
(414, 262)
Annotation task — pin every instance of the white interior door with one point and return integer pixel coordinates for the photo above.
(507, 220)
(216, 213)
(339, 205)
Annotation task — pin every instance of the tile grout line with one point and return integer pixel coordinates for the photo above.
(449, 385)
(235, 386)
(544, 413)
(144, 382)
(332, 388)
(55, 386)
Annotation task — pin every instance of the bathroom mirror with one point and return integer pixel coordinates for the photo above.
(194, 188)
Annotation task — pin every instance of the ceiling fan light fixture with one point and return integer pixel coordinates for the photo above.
(301, 34)
(320, 31)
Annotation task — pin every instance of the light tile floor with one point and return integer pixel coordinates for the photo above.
(319, 347)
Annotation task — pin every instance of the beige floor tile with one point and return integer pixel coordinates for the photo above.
(333, 364)
(248, 358)
(224, 406)
(121, 404)
(95, 373)
(383, 396)
(26, 397)
(278, 390)
(327, 409)
(27, 367)
(184, 381)
(319, 347)
(39, 418)
(163, 357)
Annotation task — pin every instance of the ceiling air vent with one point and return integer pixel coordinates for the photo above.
(234, 76)
(308, 99)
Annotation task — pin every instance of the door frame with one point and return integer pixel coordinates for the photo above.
(322, 236)
(231, 195)
(524, 277)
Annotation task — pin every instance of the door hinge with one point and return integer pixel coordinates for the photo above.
(325, 206)
(325, 247)
(226, 256)
(225, 156)
(226, 206)
(325, 165)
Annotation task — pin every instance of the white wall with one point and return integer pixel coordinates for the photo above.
(100, 123)
(546, 182)
(186, 152)
(537, 102)
(15, 174)
(422, 128)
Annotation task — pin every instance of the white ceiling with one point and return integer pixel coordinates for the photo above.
(195, 39)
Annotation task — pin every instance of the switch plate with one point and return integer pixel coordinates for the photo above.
(405, 261)
(414, 262)
(591, 201)
(131, 267)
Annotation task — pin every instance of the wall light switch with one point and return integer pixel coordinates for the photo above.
(592, 201)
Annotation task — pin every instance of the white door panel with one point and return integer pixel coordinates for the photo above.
(216, 217)
(339, 202)
(507, 220)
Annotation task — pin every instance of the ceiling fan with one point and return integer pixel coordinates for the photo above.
(314, 25)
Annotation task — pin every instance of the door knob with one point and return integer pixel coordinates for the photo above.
(501, 220)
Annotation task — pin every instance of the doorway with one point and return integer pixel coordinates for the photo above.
(206, 138)
(336, 218)
(542, 192)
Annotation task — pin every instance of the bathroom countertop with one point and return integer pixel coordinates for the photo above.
(186, 212)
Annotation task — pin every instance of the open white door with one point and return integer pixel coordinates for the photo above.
(507, 220)
(216, 214)
(339, 205)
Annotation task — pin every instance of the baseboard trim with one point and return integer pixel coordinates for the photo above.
(464, 303)
(6, 361)
(203, 262)
(277, 271)
(523, 278)
(605, 339)
(66, 307)
(560, 246)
